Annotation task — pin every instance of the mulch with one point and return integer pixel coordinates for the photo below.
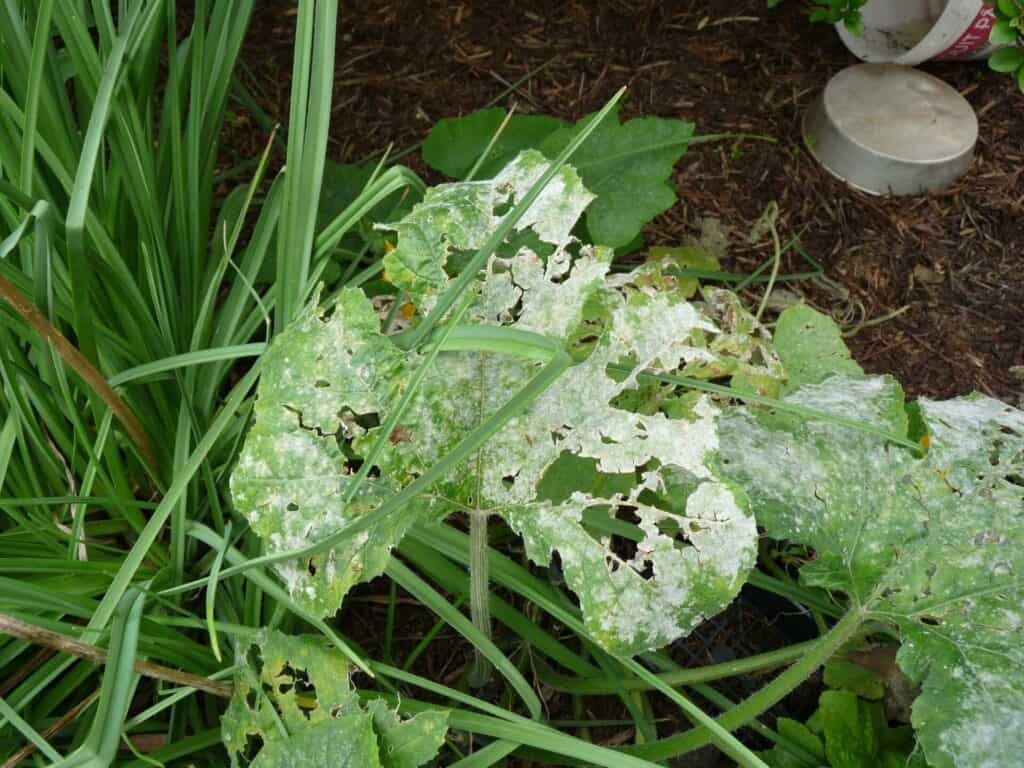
(938, 280)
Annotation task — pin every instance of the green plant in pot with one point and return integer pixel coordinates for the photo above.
(1009, 30)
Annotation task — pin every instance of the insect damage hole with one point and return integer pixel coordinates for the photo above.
(623, 543)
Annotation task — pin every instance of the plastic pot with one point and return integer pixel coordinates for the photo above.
(914, 31)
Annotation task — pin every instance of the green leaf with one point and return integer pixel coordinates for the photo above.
(1003, 34)
(811, 348)
(851, 735)
(344, 742)
(331, 379)
(799, 734)
(741, 348)
(1007, 59)
(850, 676)
(935, 544)
(294, 696)
(854, 22)
(628, 166)
(454, 144)
(407, 743)
(1009, 8)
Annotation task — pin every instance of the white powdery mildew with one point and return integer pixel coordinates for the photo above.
(657, 329)
(628, 611)
(934, 544)
(328, 379)
(560, 204)
(985, 724)
(553, 308)
(852, 399)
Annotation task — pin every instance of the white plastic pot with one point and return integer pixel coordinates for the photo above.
(914, 31)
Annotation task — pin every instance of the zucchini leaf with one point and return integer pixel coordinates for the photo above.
(934, 545)
(330, 379)
(293, 705)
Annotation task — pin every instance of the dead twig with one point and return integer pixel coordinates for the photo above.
(64, 644)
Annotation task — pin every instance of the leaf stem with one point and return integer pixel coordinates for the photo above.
(824, 648)
(604, 685)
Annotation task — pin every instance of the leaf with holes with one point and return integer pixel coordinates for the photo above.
(934, 544)
(456, 219)
(293, 705)
(330, 379)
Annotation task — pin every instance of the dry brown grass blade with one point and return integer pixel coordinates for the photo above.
(59, 725)
(70, 354)
(64, 644)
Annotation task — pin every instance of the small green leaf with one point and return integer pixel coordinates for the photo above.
(684, 257)
(1002, 33)
(1008, 8)
(407, 743)
(800, 735)
(854, 21)
(454, 144)
(849, 676)
(811, 348)
(851, 733)
(741, 348)
(1007, 59)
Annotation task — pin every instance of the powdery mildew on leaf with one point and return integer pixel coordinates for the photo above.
(811, 347)
(329, 380)
(462, 216)
(324, 380)
(626, 608)
(293, 695)
(935, 544)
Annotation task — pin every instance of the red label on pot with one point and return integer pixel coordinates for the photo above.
(975, 36)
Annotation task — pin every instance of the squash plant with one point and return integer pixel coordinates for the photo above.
(523, 379)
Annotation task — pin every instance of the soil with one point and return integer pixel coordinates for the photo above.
(930, 287)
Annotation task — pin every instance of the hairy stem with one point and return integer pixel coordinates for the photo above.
(750, 708)
(479, 593)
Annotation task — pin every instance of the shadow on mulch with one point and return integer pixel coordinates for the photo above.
(943, 274)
